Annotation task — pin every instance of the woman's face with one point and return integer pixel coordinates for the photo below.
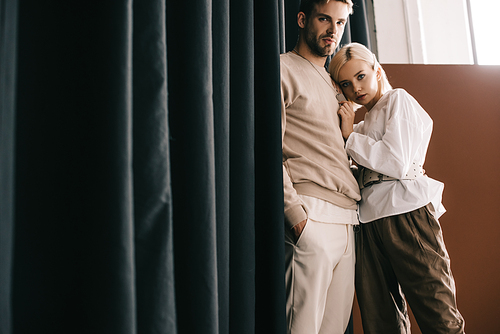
(360, 83)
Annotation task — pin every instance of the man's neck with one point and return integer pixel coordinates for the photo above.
(303, 50)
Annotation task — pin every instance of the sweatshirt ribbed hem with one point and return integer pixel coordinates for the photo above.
(329, 195)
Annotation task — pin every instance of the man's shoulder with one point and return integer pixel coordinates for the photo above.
(290, 60)
(285, 56)
(291, 66)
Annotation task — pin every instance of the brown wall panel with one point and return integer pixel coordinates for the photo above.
(464, 153)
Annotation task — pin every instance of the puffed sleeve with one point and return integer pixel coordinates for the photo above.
(404, 138)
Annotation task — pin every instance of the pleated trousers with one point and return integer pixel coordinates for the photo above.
(399, 258)
(320, 278)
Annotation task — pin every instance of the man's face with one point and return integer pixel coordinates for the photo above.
(324, 28)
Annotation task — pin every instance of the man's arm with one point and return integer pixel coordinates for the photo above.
(294, 210)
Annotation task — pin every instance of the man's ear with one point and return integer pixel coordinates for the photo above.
(301, 20)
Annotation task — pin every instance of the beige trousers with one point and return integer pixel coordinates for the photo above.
(320, 278)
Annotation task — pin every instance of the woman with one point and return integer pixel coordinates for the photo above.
(400, 250)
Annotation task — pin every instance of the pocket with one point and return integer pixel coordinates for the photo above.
(434, 238)
(304, 231)
(433, 222)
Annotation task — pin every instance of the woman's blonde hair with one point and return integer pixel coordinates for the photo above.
(361, 52)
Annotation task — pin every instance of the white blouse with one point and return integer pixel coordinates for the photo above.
(394, 134)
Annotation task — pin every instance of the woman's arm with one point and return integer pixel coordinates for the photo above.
(402, 140)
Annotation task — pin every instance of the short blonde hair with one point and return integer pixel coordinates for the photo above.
(361, 52)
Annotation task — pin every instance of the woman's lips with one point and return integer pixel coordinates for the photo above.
(361, 97)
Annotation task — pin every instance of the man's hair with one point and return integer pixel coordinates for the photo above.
(306, 6)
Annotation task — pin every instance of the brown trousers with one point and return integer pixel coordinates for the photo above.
(405, 256)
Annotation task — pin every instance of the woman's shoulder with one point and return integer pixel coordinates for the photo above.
(405, 105)
(399, 93)
(399, 97)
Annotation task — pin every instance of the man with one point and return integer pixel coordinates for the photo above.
(320, 191)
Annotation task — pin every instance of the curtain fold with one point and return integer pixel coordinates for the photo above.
(270, 268)
(8, 47)
(191, 123)
(221, 101)
(73, 249)
(140, 166)
(242, 169)
(359, 25)
(153, 230)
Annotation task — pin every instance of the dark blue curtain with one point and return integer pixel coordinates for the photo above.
(140, 166)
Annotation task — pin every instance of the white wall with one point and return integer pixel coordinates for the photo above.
(422, 31)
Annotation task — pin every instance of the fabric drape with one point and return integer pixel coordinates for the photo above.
(8, 42)
(74, 263)
(140, 166)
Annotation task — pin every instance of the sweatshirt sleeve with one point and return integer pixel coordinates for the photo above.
(407, 128)
(294, 210)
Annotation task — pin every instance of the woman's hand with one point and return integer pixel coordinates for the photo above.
(346, 114)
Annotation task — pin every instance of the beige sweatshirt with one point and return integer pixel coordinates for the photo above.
(315, 162)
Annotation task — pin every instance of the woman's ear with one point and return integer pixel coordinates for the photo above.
(301, 20)
(379, 73)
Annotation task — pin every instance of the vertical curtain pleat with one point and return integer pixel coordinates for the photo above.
(269, 211)
(242, 170)
(151, 165)
(8, 42)
(220, 35)
(282, 25)
(191, 122)
(74, 250)
(291, 28)
(359, 24)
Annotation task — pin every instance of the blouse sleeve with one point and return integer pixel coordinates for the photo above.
(404, 139)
